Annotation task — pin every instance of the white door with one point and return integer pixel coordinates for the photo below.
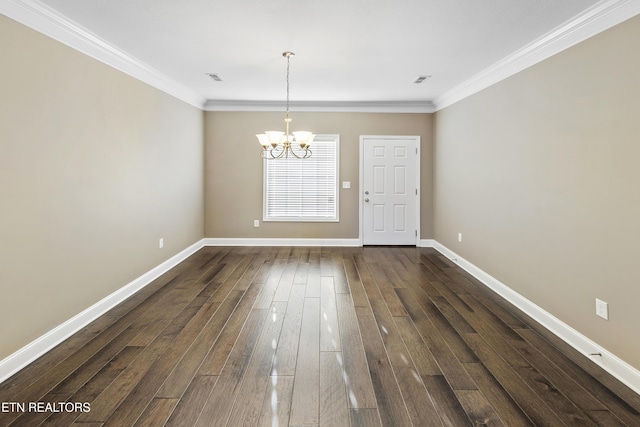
(389, 177)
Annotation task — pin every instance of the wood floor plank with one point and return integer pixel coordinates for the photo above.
(92, 388)
(364, 418)
(313, 276)
(148, 386)
(177, 381)
(420, 354)
(449, 408)
(450, 366)
(326, 267)
(366, 278)
(397, 266)
(507, 409)
(451, 306)
(192, 401)
(605, 419)
(117, 391)
(276, 405)
(221, 348)
(436, 273)
(250, 396)
(339, 275)
(218, 406)
(329, 329)
(533, 406)
(618, 406)
(506, 315)
(356, 370)
(302, 271)
(97, 362)
(334, 409)
(356, 288)
(391, 406)
(237, 270)
(284, 362)
(265, 298)
(561, 380)
(556, 346)
(491, 328)
(135, 375)
(477, 408)
(250, 274)
(387, 289)
(565, 409)
(446, 328)
(286, 281)
(419, 276)
(156, 413)
(417, 401)
(306, 388)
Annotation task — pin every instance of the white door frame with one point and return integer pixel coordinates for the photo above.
(363, 140)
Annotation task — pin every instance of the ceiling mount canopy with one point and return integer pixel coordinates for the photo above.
(278, 145)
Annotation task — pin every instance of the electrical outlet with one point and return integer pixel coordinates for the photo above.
(160, 243)
(256, 223)
(460, 237)
(602, 309)
(346, 184)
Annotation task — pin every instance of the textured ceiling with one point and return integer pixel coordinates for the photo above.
(346, 50)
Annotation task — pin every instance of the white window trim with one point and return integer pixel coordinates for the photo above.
(319, 137)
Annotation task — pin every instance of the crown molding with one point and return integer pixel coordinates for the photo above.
(47, 21)
(324, 106)
(594, 20)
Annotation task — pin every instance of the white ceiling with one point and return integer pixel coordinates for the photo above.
(349, 51)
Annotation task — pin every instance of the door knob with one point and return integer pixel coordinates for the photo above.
(366, 200)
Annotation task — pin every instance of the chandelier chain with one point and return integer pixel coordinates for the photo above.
(288, 64)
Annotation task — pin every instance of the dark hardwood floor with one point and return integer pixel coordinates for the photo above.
(293, 336)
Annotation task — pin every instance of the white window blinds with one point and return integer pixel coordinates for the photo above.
(303, 189)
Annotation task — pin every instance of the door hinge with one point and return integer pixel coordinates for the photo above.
(416, 233)
(416, 191)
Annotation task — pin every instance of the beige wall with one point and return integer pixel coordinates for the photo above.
(233, 170)
(95, 166)
(541, 174)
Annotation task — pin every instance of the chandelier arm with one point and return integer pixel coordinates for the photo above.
(307, 153)
(279, 152)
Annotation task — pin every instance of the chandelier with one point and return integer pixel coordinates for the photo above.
(278, 145)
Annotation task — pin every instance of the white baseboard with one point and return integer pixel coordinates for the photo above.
(427, 243)
(32, 351)
(608, 361)
(281, 242)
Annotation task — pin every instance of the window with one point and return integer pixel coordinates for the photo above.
(304, 189)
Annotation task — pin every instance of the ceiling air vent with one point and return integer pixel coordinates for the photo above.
(420, 79)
